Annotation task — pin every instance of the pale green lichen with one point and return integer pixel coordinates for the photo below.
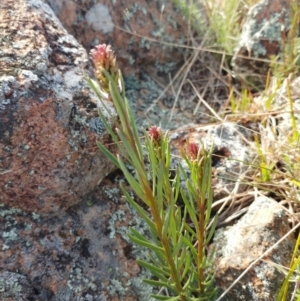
(77, 282)
(10, 236)
(116, 288)
(113, 194)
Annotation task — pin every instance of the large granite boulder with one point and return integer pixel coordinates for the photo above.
(49, 120)
(143, 33)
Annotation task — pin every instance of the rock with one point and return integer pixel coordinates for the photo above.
(238, 246)
(142, 32)
(263, 33)
(82, 254)
(14, 286)
(49, 120)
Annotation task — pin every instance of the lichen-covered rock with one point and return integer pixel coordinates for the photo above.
(237, 247)
(49, 120)
(14, 286)
(265, 28)
(82, 254)
(142, 32)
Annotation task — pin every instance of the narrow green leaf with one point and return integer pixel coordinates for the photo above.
(187, 266)
(108, 127)
(177, 247)
(139, 209)
(158, 272)
(187, 283)
(130, 152)
(134, 130)
(95, 87)
(183, 172)
(176, 184)
(108, 154)
(159, 283)
(211, 230)
(132, 181)
(284, 288)
(209, 281)
(188, 162)
(208, 207)
(167, 150)
(183, 219)
(192, 193)
(153, 162)
(147, 244)
(166, 221)
(191, 209)
(141, 237)
(178, 220)
(160, 190)
(165, 298)
(181, 259)
(120, 106)
(121, 79)
(188, 243)
(190, 230)
(158, 259)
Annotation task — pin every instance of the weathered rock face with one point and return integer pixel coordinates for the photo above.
(14, 287)
(263, 33)
(237, 247)
(48, 115)
(82, 254)
(130, 27)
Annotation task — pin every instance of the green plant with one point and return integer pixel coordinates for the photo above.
(292, 275)
(178, 215)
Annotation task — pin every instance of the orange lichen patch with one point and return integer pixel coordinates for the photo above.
(39, 145)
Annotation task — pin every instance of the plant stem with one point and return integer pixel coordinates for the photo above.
(164, 239)
(200, 243)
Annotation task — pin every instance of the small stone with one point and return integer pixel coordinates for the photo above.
(238, 246)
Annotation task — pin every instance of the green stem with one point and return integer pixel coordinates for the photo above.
(163, 239)
(200, 254)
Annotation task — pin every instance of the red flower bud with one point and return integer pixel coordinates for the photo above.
(193, 150)
(155, 134)
(104, 58)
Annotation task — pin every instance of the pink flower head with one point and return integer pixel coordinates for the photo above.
(104, 58)
(155, 134)
(193, 150)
